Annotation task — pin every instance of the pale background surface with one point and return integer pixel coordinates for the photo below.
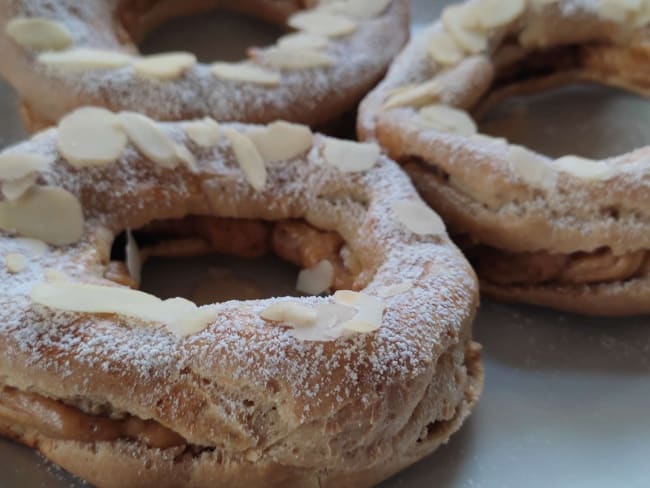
(566, 398)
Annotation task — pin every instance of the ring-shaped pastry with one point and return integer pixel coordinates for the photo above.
(570, 233)
(125, 389)
(86, 54)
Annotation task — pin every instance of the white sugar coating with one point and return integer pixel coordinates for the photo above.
(359, 59)
(74, 350)
(576, 214)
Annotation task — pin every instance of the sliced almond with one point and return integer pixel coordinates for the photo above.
(294, 59)
(317, 279)
(370, 311)
(281, 141)
(91, 136)
(292, 313)
(47, 213)
(327, 326)
(14, 189)
(350, 156)
(133, 260)
(193, 322)
(15, 262)
(396, 289)
(584, 169)
(83, 59)
(149, 138)
(180, 315)
(204, 133)
(444, 118)
(415, 96)
(166, 66)
(444, 49)
(185, 156)
(248, 158)
(39, 33)
(303, 40)
(17, 165)
(457, 20)
(418, 218)
(531, 167)
(492, 14)
(246, 72)
(322, 23)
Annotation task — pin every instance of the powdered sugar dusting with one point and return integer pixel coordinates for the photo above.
(359, 61)
(86, 353)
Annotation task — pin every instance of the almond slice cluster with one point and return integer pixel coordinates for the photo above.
(350, 312)
(18, 172)
(39, 33)
(181, 317)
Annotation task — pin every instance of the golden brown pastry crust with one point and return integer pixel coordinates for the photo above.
(254, 404)
(480, 185)
(314, 96)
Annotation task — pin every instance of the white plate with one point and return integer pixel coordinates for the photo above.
(567, 398)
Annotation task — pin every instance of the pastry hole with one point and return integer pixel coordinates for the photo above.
(209, 260)
(211, 36)
(587, 120)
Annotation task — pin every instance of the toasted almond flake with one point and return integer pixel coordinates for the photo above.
(415, 96)
(185, 156)
(322, 23)
(293, 313)
(531, 167)
(370, 311)
(33, 247)
(327, 326)
(18, 165)
(444, 49)
(56, 276)
(82, 59)
(492, 14)
(303, 40)
(457, 20)
(39, 33)
(350, 156)
(248, 158)
(444, 118)
(192, 321)
(584, 169)
(317, 279)
(418, 218)
(91, 136)
(396, 289)
(149, 138)
(294, 59)
(281, 140)
(15, 262)
(14, 189)
(47, 213)
(204, 133)
(178, 314)
(166, 66)
(246, 72)
(133, 260)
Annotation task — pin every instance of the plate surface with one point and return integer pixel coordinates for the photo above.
(566, 397)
